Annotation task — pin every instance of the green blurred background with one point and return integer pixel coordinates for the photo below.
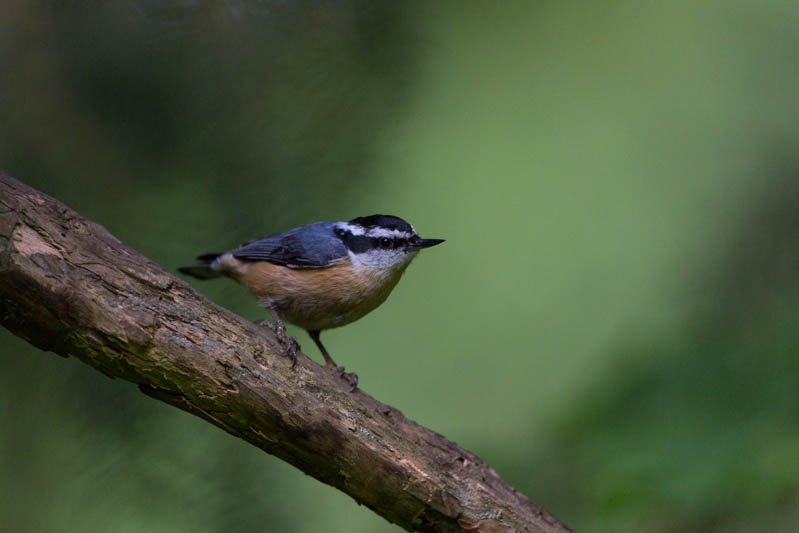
(612, 323)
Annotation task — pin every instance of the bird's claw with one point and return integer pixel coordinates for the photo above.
(289, 344)
(351, 378)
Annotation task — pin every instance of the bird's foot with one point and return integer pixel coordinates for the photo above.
(351, 378)
(289, 344)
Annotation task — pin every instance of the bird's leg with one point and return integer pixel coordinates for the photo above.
(328, 360)
(289, 344)
(350, 377)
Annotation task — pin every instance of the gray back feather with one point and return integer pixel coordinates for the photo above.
(311, 246)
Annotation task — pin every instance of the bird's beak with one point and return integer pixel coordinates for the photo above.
(424, 243)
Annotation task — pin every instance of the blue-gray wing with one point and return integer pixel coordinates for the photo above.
(311, 246)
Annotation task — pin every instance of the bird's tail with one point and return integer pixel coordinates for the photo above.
(204, 269)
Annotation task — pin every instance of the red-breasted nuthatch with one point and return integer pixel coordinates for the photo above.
(320, 276)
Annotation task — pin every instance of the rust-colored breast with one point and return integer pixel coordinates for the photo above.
(318, 298)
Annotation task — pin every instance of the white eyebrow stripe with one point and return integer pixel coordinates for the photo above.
(390, 233)
(352, 228)
(377, 232)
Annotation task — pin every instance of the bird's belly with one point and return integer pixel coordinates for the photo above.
(318, 299)
(319, 313)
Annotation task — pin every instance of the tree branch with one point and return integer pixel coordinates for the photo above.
(68, 286)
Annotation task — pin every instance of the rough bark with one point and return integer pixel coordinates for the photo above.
(69, 286)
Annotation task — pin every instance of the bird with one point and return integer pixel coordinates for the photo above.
(321, 275)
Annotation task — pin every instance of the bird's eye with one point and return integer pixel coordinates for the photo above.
(385, 243)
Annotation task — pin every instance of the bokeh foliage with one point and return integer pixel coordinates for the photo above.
(611, 324)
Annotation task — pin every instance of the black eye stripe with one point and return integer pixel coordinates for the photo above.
(361, 243)
(393, 243)
(387, 243)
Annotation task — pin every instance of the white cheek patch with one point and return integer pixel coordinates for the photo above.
(381, 260)
(357, 264)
